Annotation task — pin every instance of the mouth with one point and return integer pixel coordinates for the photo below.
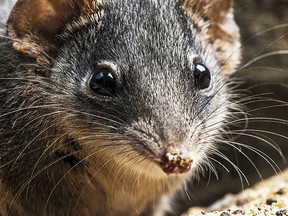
(175, 162)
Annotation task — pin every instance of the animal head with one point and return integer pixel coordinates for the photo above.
(136, 83)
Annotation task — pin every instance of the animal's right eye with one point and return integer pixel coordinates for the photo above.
(103, 82)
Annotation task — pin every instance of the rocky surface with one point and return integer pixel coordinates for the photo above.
(269, 197)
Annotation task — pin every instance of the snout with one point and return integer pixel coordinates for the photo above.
(176, 162)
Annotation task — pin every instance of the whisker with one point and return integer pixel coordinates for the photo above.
(275, 146)
(265, 55)
(263, 155)
(261, 120)
(27, 108)
(262, 69)
(93, 176)
(237, 169)
(30, 143)
(284, 25)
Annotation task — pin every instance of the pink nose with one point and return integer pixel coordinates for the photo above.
(175, 163)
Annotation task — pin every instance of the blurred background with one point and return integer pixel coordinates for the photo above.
(264, 33)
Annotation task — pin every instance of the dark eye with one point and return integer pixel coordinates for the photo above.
(103, 82)
(202, 76)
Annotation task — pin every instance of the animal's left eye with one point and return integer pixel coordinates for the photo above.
(103, 82)
(202, 76)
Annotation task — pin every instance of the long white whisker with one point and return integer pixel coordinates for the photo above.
(265, 55)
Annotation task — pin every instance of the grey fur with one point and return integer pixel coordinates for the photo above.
(51, 121)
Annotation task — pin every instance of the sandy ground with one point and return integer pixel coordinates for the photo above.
(269, 197)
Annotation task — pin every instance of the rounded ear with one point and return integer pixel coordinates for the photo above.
(214, 20)
(33, 26)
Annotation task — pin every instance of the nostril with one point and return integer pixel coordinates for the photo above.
(174, 163)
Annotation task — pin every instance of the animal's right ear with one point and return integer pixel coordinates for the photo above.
(34, 25)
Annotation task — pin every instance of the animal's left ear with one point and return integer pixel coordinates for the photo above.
(214, 21)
